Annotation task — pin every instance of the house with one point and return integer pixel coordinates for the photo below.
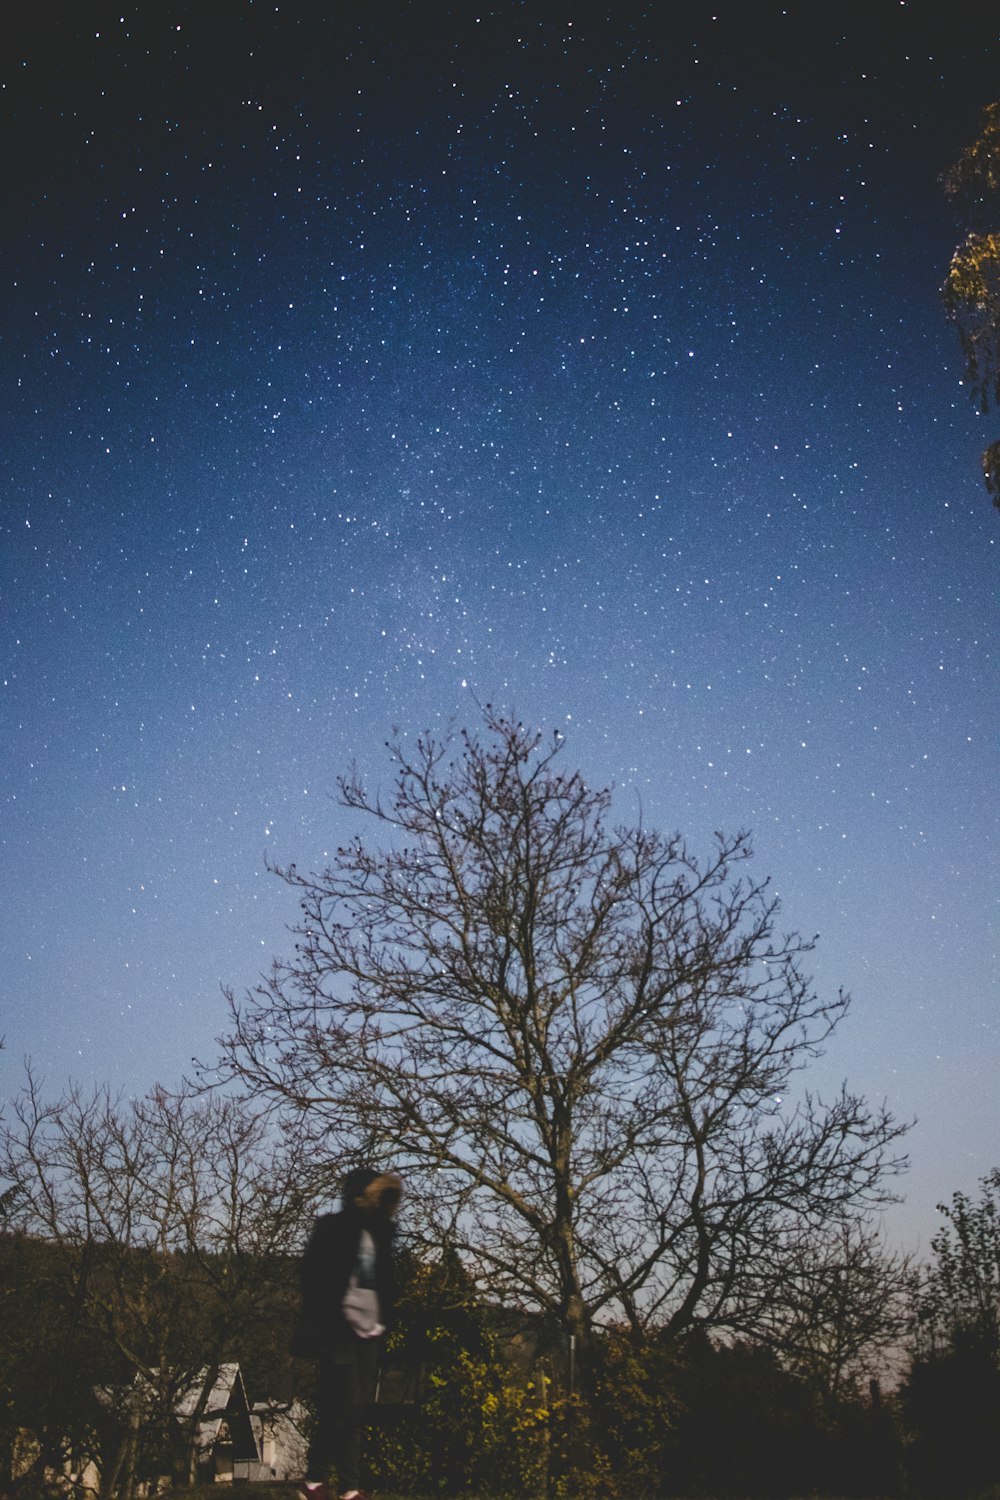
(232, 1440)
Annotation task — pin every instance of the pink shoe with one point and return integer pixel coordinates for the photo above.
(314, 1489)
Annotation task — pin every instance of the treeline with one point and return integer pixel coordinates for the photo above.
(499, 1409)
(495, 1413)
(477, 1400)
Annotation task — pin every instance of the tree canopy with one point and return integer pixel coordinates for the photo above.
(971, 290)
(961, 1295)
(952, 1390)
(575, 1040)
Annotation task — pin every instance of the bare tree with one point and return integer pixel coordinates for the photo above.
(182, 1211)
(576, 1041)
(841, 1307)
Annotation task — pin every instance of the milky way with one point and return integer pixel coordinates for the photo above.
(362, 365)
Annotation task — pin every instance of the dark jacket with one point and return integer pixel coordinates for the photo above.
(330, 1259)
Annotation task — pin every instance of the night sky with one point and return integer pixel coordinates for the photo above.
(363, 363)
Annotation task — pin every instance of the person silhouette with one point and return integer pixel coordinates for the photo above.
(347, 1301)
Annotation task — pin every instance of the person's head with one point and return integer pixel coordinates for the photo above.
(369, 1192)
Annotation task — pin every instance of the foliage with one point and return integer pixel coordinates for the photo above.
(950, 1402)
(575, 1040)
(479, 1425)
(961, 1296)
(750, 1426)
(661, 1418)
(636, 1406)
(971, 290)
(493, 1414)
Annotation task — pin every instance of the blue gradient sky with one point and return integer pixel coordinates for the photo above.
(361, 363)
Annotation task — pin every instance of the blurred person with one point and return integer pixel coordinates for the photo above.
(347, 1301)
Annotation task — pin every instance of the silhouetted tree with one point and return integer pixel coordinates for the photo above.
(747, 1425)
(844, 1299)
(952, 1391)
(48, 1368)
(972, 288)
(575, 1040)
(961, 1296)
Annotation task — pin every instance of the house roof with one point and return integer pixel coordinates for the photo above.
(226, 1403)
(228, 1382)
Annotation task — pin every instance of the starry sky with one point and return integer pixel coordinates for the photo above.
(365, 363)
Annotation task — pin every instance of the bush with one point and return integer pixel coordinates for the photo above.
(477, 1428)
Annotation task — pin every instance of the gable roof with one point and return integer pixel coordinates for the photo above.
(226, 1403)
